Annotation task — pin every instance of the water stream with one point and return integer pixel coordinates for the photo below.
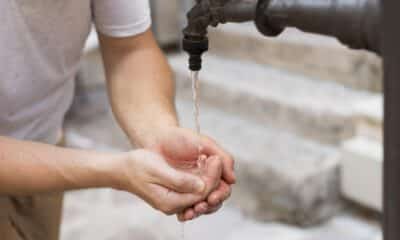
(182, 231)
(194, 77)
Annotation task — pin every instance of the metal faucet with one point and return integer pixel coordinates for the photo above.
(210, 13)
(355, 23)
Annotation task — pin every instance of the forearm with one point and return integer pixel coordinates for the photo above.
(30, 168)
(141, 88)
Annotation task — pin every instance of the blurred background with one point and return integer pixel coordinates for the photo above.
(302, 114)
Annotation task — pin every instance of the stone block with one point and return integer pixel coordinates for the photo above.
(311, 55)
(362, 168)
(280, 176)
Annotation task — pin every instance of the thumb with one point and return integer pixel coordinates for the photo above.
(180, 181)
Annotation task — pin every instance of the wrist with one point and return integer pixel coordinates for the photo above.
(148, 135)
(108, 170)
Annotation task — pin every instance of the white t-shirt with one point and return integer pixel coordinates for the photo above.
(41, 44)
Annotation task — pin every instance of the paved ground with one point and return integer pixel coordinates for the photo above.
(109, 215)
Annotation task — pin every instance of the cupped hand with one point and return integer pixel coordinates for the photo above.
(182, 148)
(170, 190)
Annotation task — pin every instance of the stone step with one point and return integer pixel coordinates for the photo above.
(362, 167)
(280, 176)
(88, 214)
(309, 54)
(320, 110)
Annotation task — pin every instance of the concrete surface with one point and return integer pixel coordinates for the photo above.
(110, 215)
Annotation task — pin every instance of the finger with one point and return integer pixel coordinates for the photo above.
(180, 217)
(179, 181)
(183, 200)
(212, 174)
(171, 202)
(186, 215)
(209, 210)
(201, 208)
(213, 209)
(209, 147)
(221, 194)
(189, 215)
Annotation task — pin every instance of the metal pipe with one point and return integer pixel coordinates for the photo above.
(212, 12)
(239, 11)
(391, 56)
(356, 23)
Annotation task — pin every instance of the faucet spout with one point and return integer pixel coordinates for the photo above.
(211, 13)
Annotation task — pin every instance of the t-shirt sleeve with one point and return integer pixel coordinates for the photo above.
(121, 18)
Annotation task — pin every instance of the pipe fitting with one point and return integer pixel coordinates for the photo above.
(195, 48)
(211, 13)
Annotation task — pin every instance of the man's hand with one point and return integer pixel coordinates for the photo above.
(149, 176)
(182, 148)
(141, 90)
